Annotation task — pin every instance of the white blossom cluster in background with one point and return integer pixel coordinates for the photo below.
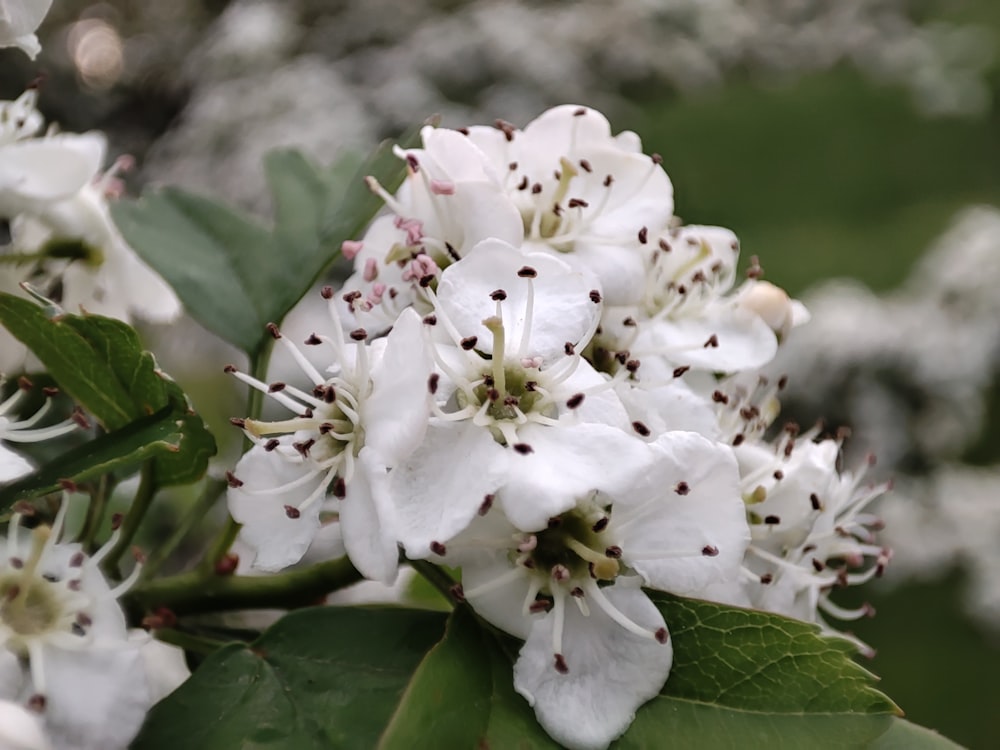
(378, 62)
(913, 372)
(537, 375)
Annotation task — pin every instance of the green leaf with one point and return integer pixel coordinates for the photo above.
(756, 661)
(447, 703)
(903, 735)
(101, 364)
(319, 678)
(234, 275)
(152, 436)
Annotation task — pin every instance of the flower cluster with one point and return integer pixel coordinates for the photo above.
(54, 198)
(539, 376)
(66, 654)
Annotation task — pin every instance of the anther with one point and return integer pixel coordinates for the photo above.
(229, 369)
(275, 387)
(313, 340)
(484, 507)
(233, 481)
(640, 428)
(608, 180)
(713, 342)
(498, 295)
(575, 400)
(68, 485)
(439, 549)
(523, 184)
(585, 165)
(665, 246)
(523, 448)
(595, 296)
(432, 382)
(80, 418)
(539, 605)
(271, 444)
(536, 188)
(601, 524)
(457, 593)
(303, 446)
(739, 439)
(77, 560)
(632, 365)
(772, 520)
(710, 550)
(661, 635)
(469, 342)
(577, 203)
(327, 293)
(237, 422)
(678, 371)
(116, 521)
(614, 552)
(766, 578)
(682, 488)
(569, 348)
(359, 334)
(24, 383)
(560, 664)
(430, 320)
(37, 703)
(227, 564)
(643, 236)
(273, 330)
(292, 512)
(576, 592)
(779, 474)
(339, 488)
(815, 501)
(50, 392)
(818, 565)
(720, 398)
(527, 272)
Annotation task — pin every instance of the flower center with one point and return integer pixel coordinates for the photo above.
(574, 546)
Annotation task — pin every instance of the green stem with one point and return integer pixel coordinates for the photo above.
(188, 641)
(437, 577)
(191, 593)
(133, 518)
(95, 512)
(195, 515)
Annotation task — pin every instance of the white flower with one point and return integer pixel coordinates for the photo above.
(685, 317)
(362, 418)
(589, 197)
(35, 172)
(518, 412)
(12, 465)
(810, 531)
(64, 646)
(450, 200)
(19, 19)
(110, 279)
(20, 118)
(21, 729)
(595, 646)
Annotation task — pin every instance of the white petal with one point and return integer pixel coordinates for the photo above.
(669, 406)
(437, 491)
(566, 464)
(744, 340)
(502, 606)
(611, 671)
(12, 465)
(395, 414)
(47, 169)
(165, 665)
(97, 697)
(278, 540)
(708, 513)
(12, 676)
(365, 515)
(20, 729)
(562, 310)
(22, 16)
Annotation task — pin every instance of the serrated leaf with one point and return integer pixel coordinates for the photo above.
(101, 364)
(319, 678)
(234, 275)
(756, 661)
(142, 439)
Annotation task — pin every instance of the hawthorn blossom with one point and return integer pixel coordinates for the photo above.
(13, 465)
(811, 533)
(595, 647)
(362, 417)
(517, 411)
(687, 316)
(591, 198)
(65, 651)
(451, 199)
(19, 19)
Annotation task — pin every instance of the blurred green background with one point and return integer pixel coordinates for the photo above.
(831, 174)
